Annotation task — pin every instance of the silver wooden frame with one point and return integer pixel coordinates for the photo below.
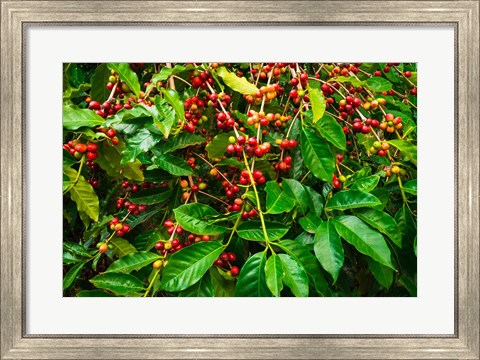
(16, 344)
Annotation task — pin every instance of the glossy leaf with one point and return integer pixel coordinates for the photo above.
(121, 247)
(383, 222)
(315, 200)
(147, 239)
(378, 84)
(351, 199)
(310, 222)
(76, 249)
(407, 149)
(83, 194)
(252, 230)
(278, 201)
(188, 265)
(99, 82)
(163, 116)
(127, 75)
(193, 217)
(119, 284)
(406, 224)
(304, 257)
(93, 293)
(221, 286)
(332, 131)
(366, 240)
(74, 118)
(366, 184)
(274, 275)
(410, 187)
(151, 196)
(251, 280)
(132, 262)
(180, 141)
(295, 190)
(202, 288)
(110, 158)
(172, 164)
(381, 273)
(328, 249)
(317, 155)
(142, 141)
(72, 274)
(318, 101)
(172, 97)
(238, 84)
(295, 276)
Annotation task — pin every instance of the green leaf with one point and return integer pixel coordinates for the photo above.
(147, 239)
(366, 184)
(172, 97)
(309, 262)
(383, 223)
(231, 162)
(188, 265)
(93, 293)
(348, 79)
(74, 118)
(410, 187)
(132, 262)
(72, 274)
(328, 249)
(266, 168)
(221, 286)
(366, 240)
(318, 101)
(151, 196)
(110, 158)
(274, 275)
(73, 93)
(406, 224)
(163, 115)
(315, 200)
(294, 189)
(127, 75)
(378, 84)
(83, 195)
(172, 164)
(406, 149)
(99, 82)
(217, 147)
(332, 131)
(121, 247)
(278, 201)
(317, 155)
(202, 288)
(381, 273)
(252, 230)
(193, 218)
(68, 159)
(251, 280)
(119, 284)
(238, 84)
(142, 141)
(180, 141)
(76, 249)
(310, 222)
(351, 199)
(295, 276)
(69, 258)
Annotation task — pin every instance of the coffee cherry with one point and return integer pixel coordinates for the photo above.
(157, 264)
(92, 147)
(232, 140)
(103, 248)
(92, 155)
(252, 141)
(234, 270)
(184, 183)
(81, 148)
(395, 169)
(159, 246)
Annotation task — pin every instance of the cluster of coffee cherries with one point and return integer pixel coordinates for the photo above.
(111, 133)
(200, 79)
(195, 187)
(225, 260)
(257, 177)
(235, 206)
(120, 228)
(391, 123)
(363, 126)
(257, 119)
(107, 108)
(135, 209)
(231, 189)
(251, 146)
(394, 169)
(267, 92)
(379, 148)
(284, 165)
(169, 246)
(348, 105)
(77, 149)
(130, 186)
(225, 121)
(92, 168)
(337, 181)
(193, 113)
(215, 100)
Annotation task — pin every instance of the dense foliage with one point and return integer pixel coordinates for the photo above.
(239, 179)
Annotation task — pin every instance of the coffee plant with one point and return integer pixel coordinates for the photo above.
(249, 179)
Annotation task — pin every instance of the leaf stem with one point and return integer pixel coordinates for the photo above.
(151, 283)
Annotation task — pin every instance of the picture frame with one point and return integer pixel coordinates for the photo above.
(17, 344)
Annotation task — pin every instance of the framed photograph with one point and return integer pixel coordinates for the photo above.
(239, 179)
